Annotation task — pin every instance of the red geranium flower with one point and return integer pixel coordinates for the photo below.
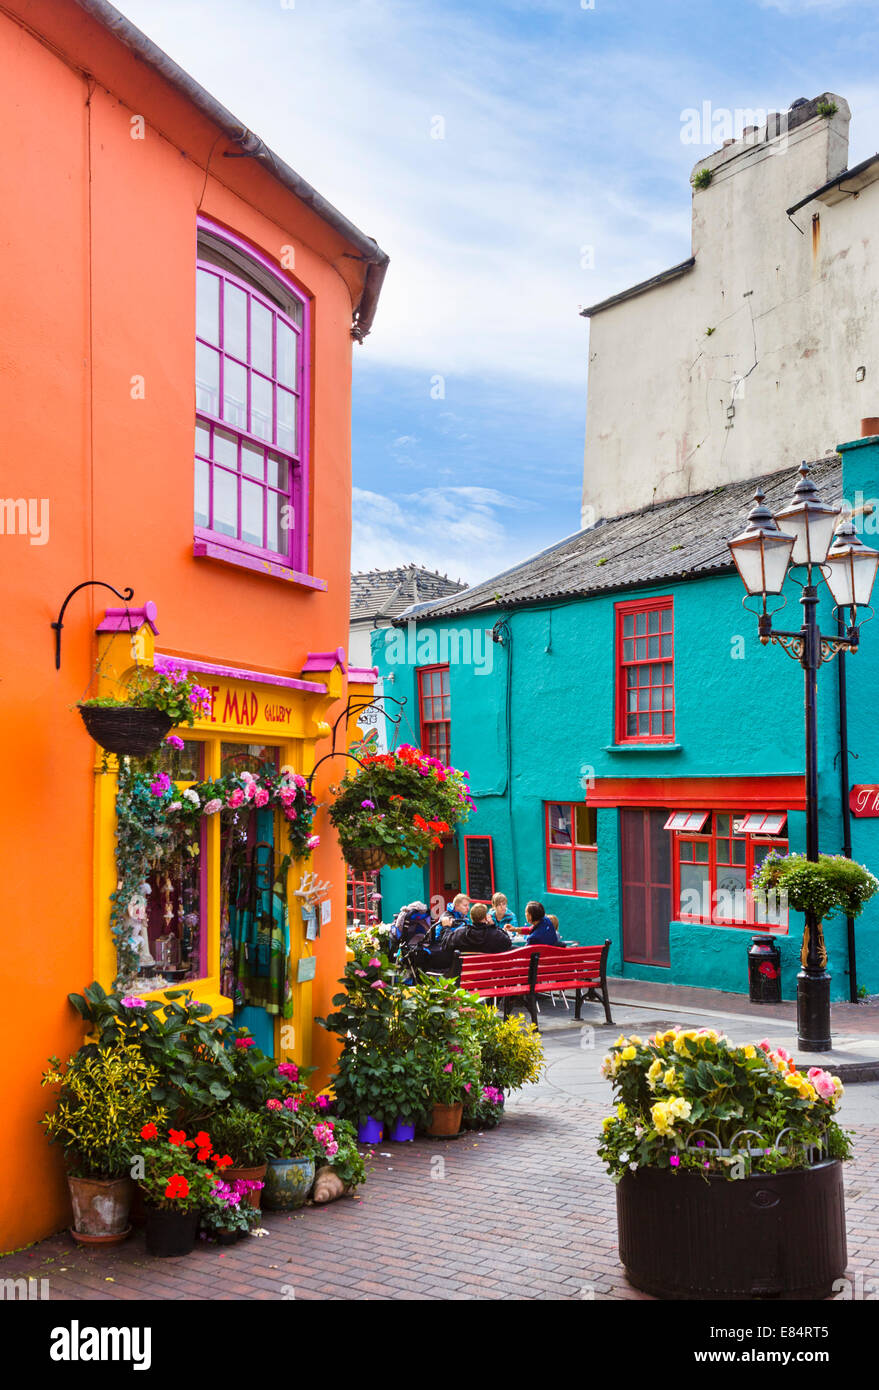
(177, 1136)
(203, 1155)
(177, 1186)
(203, 1140)
(223, 1162)
(149, 1131)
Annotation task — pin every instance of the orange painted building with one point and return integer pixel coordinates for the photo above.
(146, 231)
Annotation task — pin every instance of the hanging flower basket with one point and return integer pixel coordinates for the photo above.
(366, 859)
(125, 729)
(398, 807)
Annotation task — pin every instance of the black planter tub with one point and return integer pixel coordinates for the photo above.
(773, 1236)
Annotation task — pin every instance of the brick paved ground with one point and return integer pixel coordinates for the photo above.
(525, 1211)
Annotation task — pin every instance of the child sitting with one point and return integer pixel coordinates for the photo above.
(543, 932)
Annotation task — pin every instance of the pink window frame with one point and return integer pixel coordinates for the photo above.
(574, 848)
(299, 481)
(632, 607)
(425, 724)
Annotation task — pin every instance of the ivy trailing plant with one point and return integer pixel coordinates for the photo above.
(400, 803)
(829, 884)
(156, 822)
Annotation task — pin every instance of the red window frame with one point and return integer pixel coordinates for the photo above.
(630, 659)
(684, 838)
(575, 848)
(360, 890)
(435, 712)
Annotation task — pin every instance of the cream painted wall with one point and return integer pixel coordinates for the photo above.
(674, 409)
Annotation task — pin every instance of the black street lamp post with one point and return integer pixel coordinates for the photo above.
(801, 534)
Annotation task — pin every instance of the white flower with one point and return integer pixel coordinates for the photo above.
(633, 1167)
(192, 796)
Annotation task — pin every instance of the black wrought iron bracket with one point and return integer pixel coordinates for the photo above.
(355, 705)
(126, 596)
(796, 644)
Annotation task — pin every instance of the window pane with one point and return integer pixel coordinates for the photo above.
(721, 825)
(286, 354)
(643, 723)
(738, 851)
(225, 448)
(686, 848)
(628, 651)
(666, 620)
(643, 698)
(653, 646)
(202, 493)
(667, 697)
(586, 818)
(251, 460)
(700, 852)
(656, 723)
(641, 648)
(278, 472)
(632, 724)
(656, 697)
(235, 321)
(234, 393)
(260, 337)
(667, 724)
(587, 871)
(665, 646)
(279, 522)
(182, 764)
(287, 421)
(559, 824)
(640, 622)
(225, 502)
(695, 890)
(251, 513)
(628, 625)
(653, 621)
(207, 306)
(260, 406)
(561, 870)
(731, 901)
(723, 851)
(207, 379)
(257, 758)
(202, 439)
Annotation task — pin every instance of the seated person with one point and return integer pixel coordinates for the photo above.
(457, 909)
(478, 934)
(500, 914)
(411, 926)
(542, 932)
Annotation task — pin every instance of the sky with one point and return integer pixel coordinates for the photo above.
(518, 160)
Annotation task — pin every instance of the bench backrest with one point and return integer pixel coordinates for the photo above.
(502, 969)
(569, 966)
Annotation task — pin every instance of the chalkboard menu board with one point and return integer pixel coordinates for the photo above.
(479, 867)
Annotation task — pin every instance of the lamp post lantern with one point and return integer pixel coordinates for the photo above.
(800, 534)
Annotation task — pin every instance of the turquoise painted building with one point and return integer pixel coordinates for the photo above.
(633, 750)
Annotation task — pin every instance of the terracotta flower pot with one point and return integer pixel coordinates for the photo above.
(101, 1208)
(257, 1174)
(445, 1122)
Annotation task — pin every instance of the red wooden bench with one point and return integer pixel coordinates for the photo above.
(533, 970)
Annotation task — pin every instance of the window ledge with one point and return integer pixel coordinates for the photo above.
(643, 748)
(274, 569)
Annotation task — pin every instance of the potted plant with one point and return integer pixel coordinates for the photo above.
(511, 1056)
(397, 807)
(177, 1182)
(242, 1134)
(291, 1146)
(452, 1073)
(103, 1102)
(155, 701)
(727, 1161)
(228, 1215)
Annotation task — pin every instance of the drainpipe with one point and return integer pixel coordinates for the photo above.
(846, 809)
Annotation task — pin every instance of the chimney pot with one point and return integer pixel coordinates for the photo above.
(869, 426)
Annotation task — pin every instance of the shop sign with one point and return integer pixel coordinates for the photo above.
(240, 707)
(864, 801)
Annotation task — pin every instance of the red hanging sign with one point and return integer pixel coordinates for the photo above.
(864, 801)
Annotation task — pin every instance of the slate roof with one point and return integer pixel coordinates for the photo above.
(386, 593)
(680, 539)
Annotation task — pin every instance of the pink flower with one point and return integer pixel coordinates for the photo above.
(245, 1042)
(361, 973)
(161, 784)
(213, 806)
(313, 841)
(174, 741)
(450, 1066)
(131, 1001)
(764, 1045)
(468, 1085)
(249, 790)
(368, 805)
(375, 962)
(288, 1069)
(273, 1104)
(290, 1103)
(261, 797)
(377, 984)
(823, 1083)
(674, 1161)
(235, 798)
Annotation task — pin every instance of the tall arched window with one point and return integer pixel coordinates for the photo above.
(250, 463)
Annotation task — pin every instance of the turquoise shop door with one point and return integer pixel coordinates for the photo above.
(252, 916)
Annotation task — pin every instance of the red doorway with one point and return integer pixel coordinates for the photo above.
(645, 874)
(444, 876)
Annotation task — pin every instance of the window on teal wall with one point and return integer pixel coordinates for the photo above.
(435, 712)
(713, 870)
(645, 692)
(571, 849)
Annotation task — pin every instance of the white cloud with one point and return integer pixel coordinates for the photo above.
(457, 530)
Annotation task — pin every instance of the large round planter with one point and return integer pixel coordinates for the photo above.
(445, 1121)
(170, 1232)
(101, 1208)
(125, 729)
(254, 1199)
(772, 1236)
(288, 1183)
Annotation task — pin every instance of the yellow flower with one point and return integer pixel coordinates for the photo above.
(839, 1086)
(621, 1041)
(660, 1115)
(750, 1050)
(635, 1039)
(808, 1092)
(653, 1072)
(628, 1054)
(680, 1108)
(622, 1112)
(669, 1079)
(608, 1123)
(794, 1079)
(680, 1045)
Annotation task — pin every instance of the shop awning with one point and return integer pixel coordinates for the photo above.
(763, 822)
(687, 820)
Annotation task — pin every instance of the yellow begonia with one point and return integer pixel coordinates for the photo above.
(680, 1045)
(622, 1112)
(840, 1089)
(750, 1050)
(607, 1123)
(635, 1039)
(661, 1116)
(794, 1079)
(680, 1108)
(654, 1072)
(670, 1078)
(628, 1054)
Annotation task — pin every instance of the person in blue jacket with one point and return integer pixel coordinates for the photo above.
(500, 914)
(456, 915)
(542, 933)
